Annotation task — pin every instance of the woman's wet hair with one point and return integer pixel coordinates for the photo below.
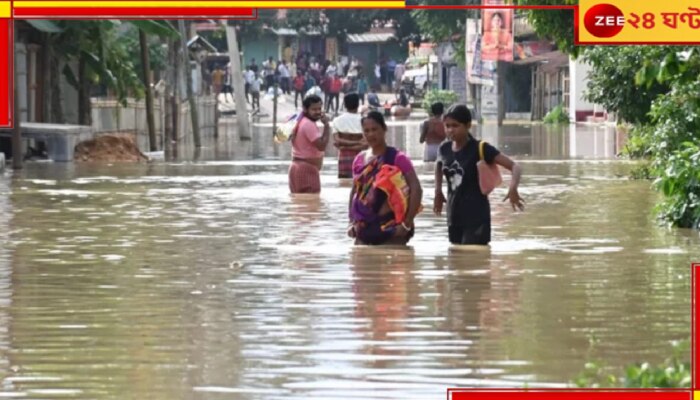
(377, 117)
(459, 113)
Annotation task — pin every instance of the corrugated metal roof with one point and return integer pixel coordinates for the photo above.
(370, 37)
(201, 42)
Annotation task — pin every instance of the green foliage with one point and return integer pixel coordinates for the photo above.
(674, 372)
(613, 79)
(446, 97)
(267, 18)
(110, 57)
(676, 154)
(638, 142)
(553, 24)
(152, 27)
(157, 52)
(333, 22)
(556, 116)
(107, 58)
(439, 25)
(670, 132)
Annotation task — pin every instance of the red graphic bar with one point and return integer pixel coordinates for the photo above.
(605, 394)
(133, 12)
(491, 6)
(6, 73)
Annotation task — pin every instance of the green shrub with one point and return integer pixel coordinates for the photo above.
(674, 149)
(556, 116)
(672, 373)
(446, 97)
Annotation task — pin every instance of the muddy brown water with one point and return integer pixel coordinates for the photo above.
(207, 280)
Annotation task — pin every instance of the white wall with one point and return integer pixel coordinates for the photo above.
(578, 80)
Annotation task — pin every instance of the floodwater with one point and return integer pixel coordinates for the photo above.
(207, 280)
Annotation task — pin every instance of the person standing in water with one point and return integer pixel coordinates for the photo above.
(468, 210)
(308, 147)
(386, 194)
(432, 132)
(347, 135)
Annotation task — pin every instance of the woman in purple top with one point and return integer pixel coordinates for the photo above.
(372, 220)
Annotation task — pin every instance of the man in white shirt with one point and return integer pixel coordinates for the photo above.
(284, 77)
(269, 72)
(347, 135)
(332, 70)
(255, 93)
(249, 76)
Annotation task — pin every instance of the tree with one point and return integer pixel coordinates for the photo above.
(670, 137)
(439, 25)
(332, 22)
(554, 24)
(146, 65)
(612, 81)
(101, 56)
(442, 25)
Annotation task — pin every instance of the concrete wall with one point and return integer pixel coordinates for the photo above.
(109, 116)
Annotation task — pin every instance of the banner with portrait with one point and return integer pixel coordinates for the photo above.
(497, 32)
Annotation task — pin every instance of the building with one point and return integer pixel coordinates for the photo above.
(377, 46)
(580, 109)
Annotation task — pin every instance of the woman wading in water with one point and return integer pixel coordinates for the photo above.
(386, 193)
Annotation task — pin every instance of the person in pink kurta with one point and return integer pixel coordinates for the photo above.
(308, 148)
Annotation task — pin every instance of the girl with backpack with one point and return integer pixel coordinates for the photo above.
(468, 208)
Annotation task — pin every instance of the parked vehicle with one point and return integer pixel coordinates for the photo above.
(415, 81)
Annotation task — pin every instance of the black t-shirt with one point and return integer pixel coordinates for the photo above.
(466, 205)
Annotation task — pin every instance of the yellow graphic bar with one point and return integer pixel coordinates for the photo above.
(5, 9)
(204, 4)
(639, 22)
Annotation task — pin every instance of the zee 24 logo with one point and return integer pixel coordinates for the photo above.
(606, 20)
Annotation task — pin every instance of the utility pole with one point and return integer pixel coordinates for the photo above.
(17, 129)
(274, 109)
(188, 79)
(16, 133)
(238, 85)
(146, 64)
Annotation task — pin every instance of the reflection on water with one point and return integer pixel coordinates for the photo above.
(208, 280)
(537, 141)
